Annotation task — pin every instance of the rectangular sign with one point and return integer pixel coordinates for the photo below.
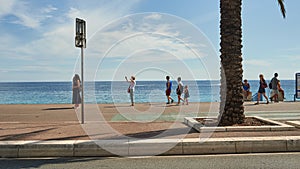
(80, 36)
(297, 85)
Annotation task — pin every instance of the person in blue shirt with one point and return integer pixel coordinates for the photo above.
(169, 90)
(246, 88)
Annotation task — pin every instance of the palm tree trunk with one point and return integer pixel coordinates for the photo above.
(231, 109)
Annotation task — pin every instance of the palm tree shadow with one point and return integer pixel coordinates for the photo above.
(23, 135)
(163, 133)
(59, 108)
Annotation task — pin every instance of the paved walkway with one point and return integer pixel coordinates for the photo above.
(24, 126)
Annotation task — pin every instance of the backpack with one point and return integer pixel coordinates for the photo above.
(270, 85)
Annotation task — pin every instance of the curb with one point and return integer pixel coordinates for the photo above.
(294, 123)
(146, 147)
(278, 126)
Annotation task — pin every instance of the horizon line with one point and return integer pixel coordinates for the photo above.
(142, 80)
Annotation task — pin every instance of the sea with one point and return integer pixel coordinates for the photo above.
(116, 91)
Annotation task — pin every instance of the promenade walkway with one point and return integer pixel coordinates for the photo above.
(59, 123)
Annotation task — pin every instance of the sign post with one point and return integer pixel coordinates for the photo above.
(80, 41)
(297, 86)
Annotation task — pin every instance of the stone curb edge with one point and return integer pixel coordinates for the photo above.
(147, 147)
(294, 123)
(278, 126)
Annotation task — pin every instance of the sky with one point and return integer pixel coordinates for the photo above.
(145, 38)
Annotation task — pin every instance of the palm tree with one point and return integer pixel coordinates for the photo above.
(231, 108)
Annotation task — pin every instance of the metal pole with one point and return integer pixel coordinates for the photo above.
(82, 91)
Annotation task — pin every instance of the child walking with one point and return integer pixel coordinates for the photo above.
(186, 95)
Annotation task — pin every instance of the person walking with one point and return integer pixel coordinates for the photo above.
(169, 90)
(76, 86)
(261, 90)
(179, 90)
(186, 95)
(131, 87)
(274, 86)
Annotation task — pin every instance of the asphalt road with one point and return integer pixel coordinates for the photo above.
(240, 161)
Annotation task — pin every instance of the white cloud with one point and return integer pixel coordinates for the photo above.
(49, 9)
(136, 43)
(25, 12)
(154, 16)
(26, 20)
(57, 40)
(6, 6)
(134, 33)
(52, 48)
(150, 42)
(73, 13)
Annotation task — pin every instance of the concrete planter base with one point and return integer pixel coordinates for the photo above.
(277, 126)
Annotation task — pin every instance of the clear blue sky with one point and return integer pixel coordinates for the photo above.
(37, 39)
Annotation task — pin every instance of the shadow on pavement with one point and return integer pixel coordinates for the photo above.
(166, 133)
(59, 108)
(23, 135)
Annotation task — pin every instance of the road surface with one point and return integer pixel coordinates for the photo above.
(230, 161)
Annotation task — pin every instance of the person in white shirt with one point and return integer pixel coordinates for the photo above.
(179, 90)
(131, 88)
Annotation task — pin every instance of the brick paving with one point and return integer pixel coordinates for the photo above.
(60, 122)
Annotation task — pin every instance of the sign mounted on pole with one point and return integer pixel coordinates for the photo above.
(80, 41)
(80, 37)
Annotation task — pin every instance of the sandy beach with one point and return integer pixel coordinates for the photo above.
(60, 121)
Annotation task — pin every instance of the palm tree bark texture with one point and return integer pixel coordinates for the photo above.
(231, 109)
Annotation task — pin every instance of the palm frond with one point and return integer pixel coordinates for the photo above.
(282, 8)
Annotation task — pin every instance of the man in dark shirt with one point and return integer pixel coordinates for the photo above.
(274, 83)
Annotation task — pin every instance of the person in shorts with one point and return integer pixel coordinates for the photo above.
(169, 90)
(179, 90)
(261, 90)
(274, 84)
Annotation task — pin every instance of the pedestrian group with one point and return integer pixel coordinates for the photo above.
(274, 85)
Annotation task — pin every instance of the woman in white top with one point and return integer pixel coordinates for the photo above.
(131, 88)
(179, 90)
